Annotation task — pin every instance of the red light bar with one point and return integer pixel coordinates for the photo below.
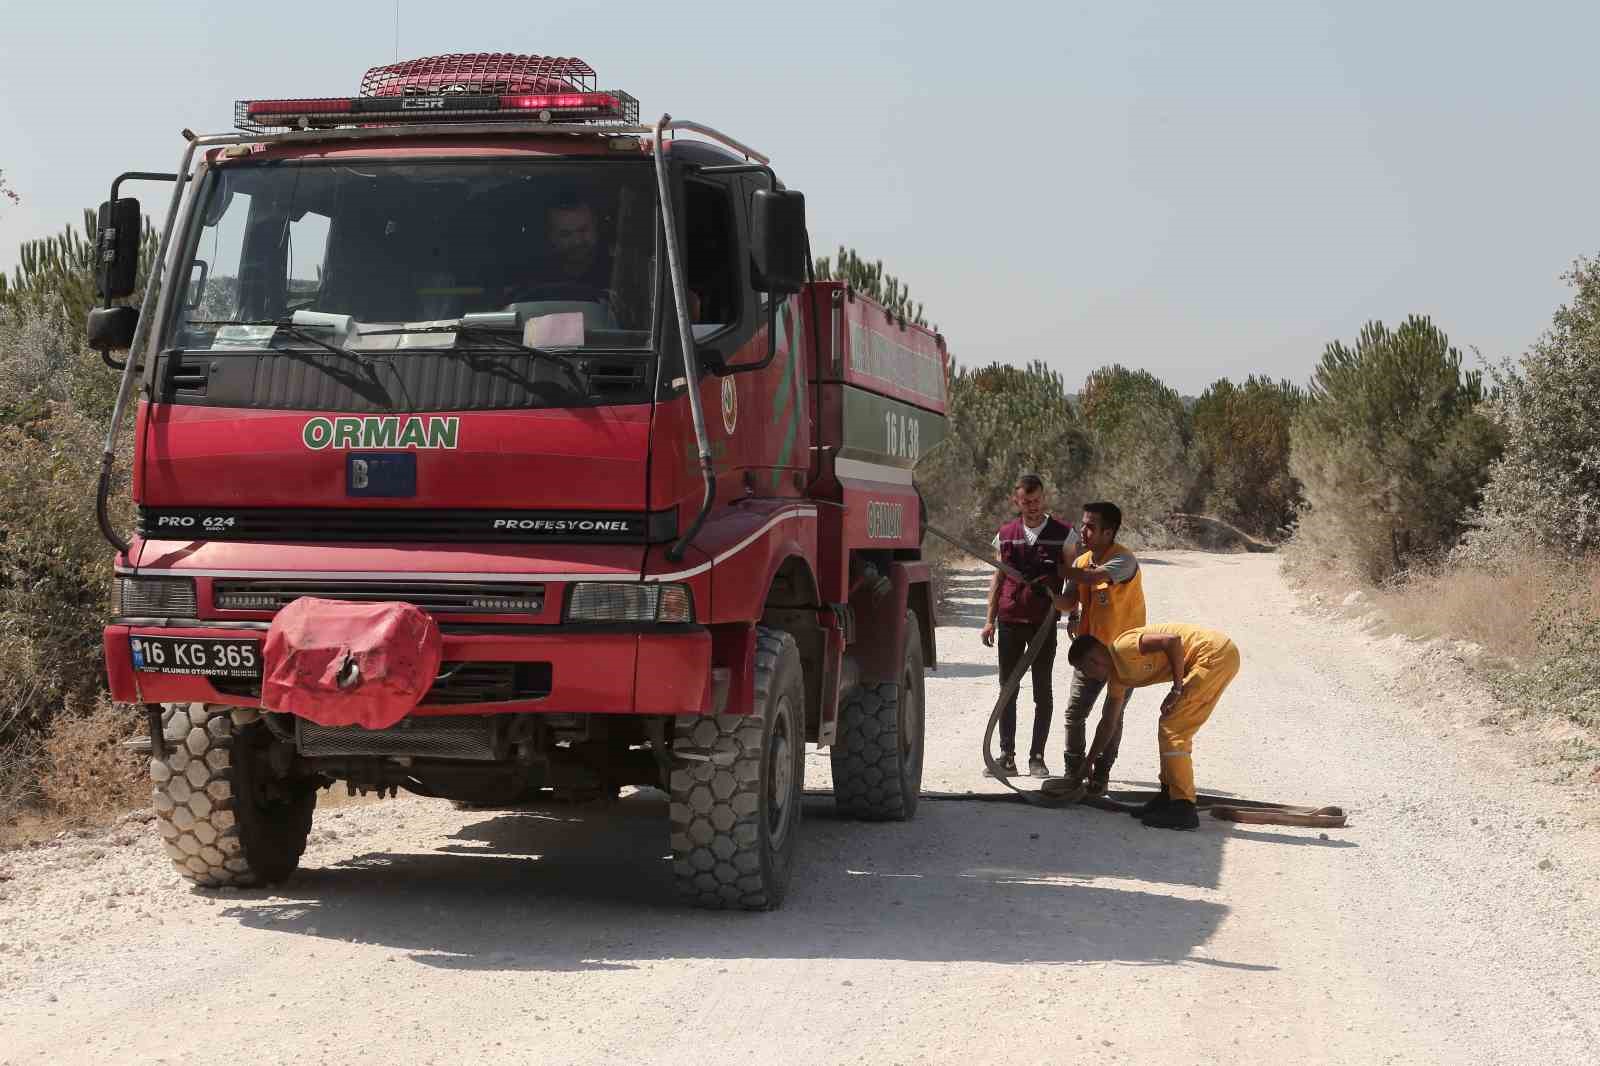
(325, 106)
(324, 112)
(587, 103)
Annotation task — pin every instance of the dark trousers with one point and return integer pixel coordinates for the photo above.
(1080, 703)
(1015, 638)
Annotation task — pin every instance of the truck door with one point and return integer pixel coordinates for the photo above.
(782, 394)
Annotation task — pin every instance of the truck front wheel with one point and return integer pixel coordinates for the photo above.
(736, 788)
(877, 757)
(225, 818)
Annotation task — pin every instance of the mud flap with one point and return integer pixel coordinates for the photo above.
(349, 664)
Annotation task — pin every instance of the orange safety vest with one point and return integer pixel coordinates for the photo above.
(1109, 610)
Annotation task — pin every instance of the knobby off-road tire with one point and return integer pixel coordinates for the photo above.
(736, 788)
(222, 821)
(877, 755)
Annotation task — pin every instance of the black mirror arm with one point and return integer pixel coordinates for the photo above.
(760, 364)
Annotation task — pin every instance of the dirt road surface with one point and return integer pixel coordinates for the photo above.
(1455, 921)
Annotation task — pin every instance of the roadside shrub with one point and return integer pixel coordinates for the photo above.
(86, 769)
(1241, 448)
(1392, 447)
(1546, 488)
(1003, 421)
(1138, 434)
(54, 567)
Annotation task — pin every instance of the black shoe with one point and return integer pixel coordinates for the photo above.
(1153, 804)
(1037, 768)
(1073, 765)
(1176, 814)
(1007, 764)
(1098, 786)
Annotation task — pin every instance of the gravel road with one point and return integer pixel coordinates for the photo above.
(1454, 921)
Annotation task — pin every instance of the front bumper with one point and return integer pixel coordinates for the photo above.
(592, 669)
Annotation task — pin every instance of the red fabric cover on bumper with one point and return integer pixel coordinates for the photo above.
(340, 664)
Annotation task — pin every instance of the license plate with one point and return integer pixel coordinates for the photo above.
(229, 657)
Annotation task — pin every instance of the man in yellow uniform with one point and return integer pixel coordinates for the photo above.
(1104, 598)
(1199, 663)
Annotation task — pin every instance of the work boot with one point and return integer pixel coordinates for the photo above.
(1036, 767)
(1153, 804)
(1176, 814)
(1098, 786)
(1008, 766)
(1073, 765)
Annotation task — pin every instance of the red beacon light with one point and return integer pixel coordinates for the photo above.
(481, 87)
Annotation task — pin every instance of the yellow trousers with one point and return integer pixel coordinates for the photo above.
(1208, 676)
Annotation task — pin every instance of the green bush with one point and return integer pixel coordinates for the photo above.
(55, 570)
(1241, 449)
(1392, 447)
(1003, 421)
(1546, 488)
(1139, 436)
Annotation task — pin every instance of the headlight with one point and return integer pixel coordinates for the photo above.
(591, 601)
(156, 597)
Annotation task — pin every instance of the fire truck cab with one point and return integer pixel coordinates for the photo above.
(493, 446)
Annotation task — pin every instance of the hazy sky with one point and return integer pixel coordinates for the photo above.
(1200, 189)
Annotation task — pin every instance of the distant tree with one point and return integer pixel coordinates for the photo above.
(1547, 486)
(870, 278)
(1241, 449)
(58, 273)
(1138, 430)
(1003, 421)
(1393, 446)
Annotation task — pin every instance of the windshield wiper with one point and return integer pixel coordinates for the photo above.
(284, 325)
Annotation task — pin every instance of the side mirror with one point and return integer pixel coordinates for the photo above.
(117, 248)
(111, 328)
(778, 241)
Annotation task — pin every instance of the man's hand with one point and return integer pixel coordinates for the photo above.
(1172, 698)
(987, 635)
(1064, 603)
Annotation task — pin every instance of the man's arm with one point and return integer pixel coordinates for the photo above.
(1169, 645)
(987, 635)
(1110, 722)
(1114, 571)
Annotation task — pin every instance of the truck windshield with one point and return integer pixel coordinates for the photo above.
(553, 254)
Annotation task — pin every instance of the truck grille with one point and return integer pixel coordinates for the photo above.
(435, 597)
(464, 737)
(458, 683)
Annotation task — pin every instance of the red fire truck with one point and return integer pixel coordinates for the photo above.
(496, 447)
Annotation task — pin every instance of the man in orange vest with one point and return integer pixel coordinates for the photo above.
(1104, 598)
(1199, 663)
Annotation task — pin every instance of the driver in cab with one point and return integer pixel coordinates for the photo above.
(571, 266)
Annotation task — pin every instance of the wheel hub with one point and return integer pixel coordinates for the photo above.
(780, 777)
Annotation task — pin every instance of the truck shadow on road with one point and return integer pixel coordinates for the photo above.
(592, 890)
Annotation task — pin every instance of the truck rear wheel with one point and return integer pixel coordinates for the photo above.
(877, 758)
(736, 788)
(224, 818)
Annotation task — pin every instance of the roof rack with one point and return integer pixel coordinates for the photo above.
(461, 86)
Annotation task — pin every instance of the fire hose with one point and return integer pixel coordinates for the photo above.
(1065, 792)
